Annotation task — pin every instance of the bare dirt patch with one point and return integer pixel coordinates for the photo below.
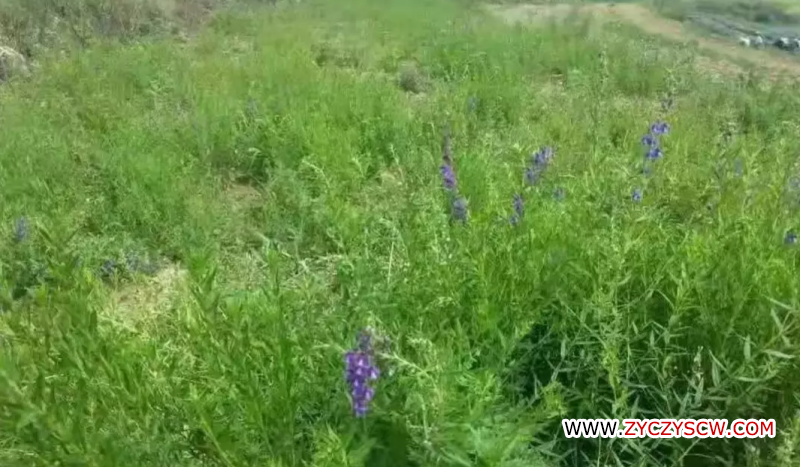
(720, 56)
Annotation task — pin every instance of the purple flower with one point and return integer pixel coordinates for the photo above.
(360, 370)
(459, 212)
(448, 177)
(542, 157)
(532, 175)
(519, 209)
(519, 205)
(21, 230)
(654, 153)
(538, 164)
(659, 128)
(636, 196)
(791, 238)
(650, 141)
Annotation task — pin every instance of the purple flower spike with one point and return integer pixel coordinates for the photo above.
(654, 154)
(360, 371)
(538, 164)
(542, 157)
(532, 175)
(448, 177)
(659, 128)
(650, 141)
(519, 210)
(519, 205)
(791, 238)
(636, 196)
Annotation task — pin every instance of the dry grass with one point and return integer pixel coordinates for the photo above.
(242, 196)
(135, 306)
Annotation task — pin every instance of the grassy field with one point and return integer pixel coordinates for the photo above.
(194, 233)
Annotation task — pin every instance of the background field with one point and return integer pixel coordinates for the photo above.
(731, 19)
(198, 220)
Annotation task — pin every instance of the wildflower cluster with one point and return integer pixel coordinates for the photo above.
(651, 140)
(538, 163)
(458, 202)
(652, 152)
(360, 371)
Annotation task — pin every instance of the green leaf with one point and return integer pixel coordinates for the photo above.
(747, 348)
(778, 354)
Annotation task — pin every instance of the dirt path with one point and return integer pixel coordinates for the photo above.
(773, 62)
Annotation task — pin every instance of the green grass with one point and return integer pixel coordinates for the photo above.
(278, 162)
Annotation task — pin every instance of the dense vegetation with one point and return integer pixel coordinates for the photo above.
(194, 233)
